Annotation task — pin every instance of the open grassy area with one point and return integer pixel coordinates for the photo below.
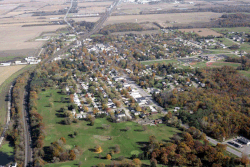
(4, 88)
(220, 64)
(89, 136)
(234, 29)
(149, 62)
(245, 73)
(226, 41)
(6, 153)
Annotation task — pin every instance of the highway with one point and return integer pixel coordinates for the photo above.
(96, 28)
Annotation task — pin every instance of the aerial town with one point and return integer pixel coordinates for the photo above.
(140, 83)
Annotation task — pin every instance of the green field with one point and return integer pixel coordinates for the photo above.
(90, 136)
(6, 153)
(226, 41)
(149, 62)
(4, 88)
(220, 64)
(245, 73)
(234, 29)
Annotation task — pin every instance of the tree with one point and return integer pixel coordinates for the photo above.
(117, 149)
(63, 140)
(72, 155)
(108, 157)
(101, 165)
(137, 162)
(153, 162)
(98, 149)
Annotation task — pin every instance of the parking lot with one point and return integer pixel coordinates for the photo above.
(237, 143)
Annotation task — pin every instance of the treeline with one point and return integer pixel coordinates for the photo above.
(190, 150)
(16, 134)
(37, 129)
(121, 27)
(221, 109)
(244, 60)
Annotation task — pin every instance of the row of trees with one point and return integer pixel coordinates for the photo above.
(16, 134)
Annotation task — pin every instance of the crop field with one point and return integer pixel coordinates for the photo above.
(6, 72)
(202, 31)
(89, 136)
(178, 18)
(18, 36)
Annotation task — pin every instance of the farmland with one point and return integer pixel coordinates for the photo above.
(202, 32)
(162, 19)
(6, 72)
(89, 136)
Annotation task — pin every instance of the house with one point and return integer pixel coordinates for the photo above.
(5, 64)
(153, 110)
(121, 115)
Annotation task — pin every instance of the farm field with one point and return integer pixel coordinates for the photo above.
(202, 32)
(6, 72)
(89, 136)
(179, 18)
(18, 36)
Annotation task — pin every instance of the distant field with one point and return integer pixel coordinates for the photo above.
(202, 31)
(6, 72)
(234, 29)
(90, 136)
(15, 37)
(179, 18)
(137, 32)
(149, 62)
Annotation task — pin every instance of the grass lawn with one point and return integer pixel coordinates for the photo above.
(245, 47)
(245, 73)
(6, 153)
(149, 62)
(217, 51)
(90, 136)
(220, 64)
(226, 41)
(4, 89)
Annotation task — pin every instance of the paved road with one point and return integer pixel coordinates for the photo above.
(237, 153)
(27, 136)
